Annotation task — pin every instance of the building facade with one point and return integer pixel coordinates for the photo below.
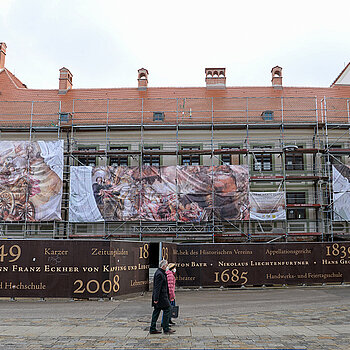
(289, 140)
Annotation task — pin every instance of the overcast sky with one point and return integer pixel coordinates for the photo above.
(103, 43)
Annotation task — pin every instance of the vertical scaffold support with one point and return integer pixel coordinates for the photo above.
(249, 234)
(212, 170)
(26, 204)
(283, 165)
(106, 162)
(316, 115)
(141, 165)
(70, 157)
(329, 213)
(177, 163)
(59, 120)
(282, 122)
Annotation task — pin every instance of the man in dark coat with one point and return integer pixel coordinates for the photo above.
(160, 299)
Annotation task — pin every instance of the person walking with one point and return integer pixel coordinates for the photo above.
(160, 299)
(170, 273)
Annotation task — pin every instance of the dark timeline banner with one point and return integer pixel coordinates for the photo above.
(259, 264)
(76, 269)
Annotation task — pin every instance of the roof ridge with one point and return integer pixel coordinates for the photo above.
(170, 87)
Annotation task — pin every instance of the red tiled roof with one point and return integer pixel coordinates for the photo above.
(229, 102)
(175, 92)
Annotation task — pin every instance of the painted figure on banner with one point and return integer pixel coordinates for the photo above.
(115, 192)
(222, 190)
(31, 180)
(169, 193)
(158, 195)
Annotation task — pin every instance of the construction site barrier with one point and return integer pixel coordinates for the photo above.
(73, 269)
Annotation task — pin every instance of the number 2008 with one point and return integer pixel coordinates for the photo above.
(93, 286)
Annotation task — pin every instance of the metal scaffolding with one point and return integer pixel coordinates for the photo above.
(265, 133)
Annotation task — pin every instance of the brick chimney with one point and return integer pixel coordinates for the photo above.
(277, 77)
(2, 55)
(65, 81)
(215, 78)
(142, 79)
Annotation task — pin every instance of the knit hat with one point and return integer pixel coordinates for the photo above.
(171, 266)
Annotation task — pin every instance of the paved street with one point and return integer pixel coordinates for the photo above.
(271, 318)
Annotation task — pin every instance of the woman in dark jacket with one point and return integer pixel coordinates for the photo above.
(160, 299)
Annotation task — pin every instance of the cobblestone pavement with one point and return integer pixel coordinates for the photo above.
(271, 318)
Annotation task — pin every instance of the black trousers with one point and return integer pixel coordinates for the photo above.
(172, 303)
(155, 315)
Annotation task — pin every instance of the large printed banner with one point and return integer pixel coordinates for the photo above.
(259, 264)
(341, 192)
(267, 206)
(31, 178)
(72, 269)
(184, 193)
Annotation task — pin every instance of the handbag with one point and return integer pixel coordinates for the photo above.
(175, 311)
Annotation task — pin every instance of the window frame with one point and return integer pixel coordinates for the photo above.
(268, 156)
(191, 156)
(267, 115)
(295, 164)
(65, 117)
(158, 116)
(119, 157)
(296, 213)
(81, 159)
(152, 157)
(231, 156)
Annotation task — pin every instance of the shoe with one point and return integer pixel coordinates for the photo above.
(170, 331)
(171, 323)
(155, 332)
